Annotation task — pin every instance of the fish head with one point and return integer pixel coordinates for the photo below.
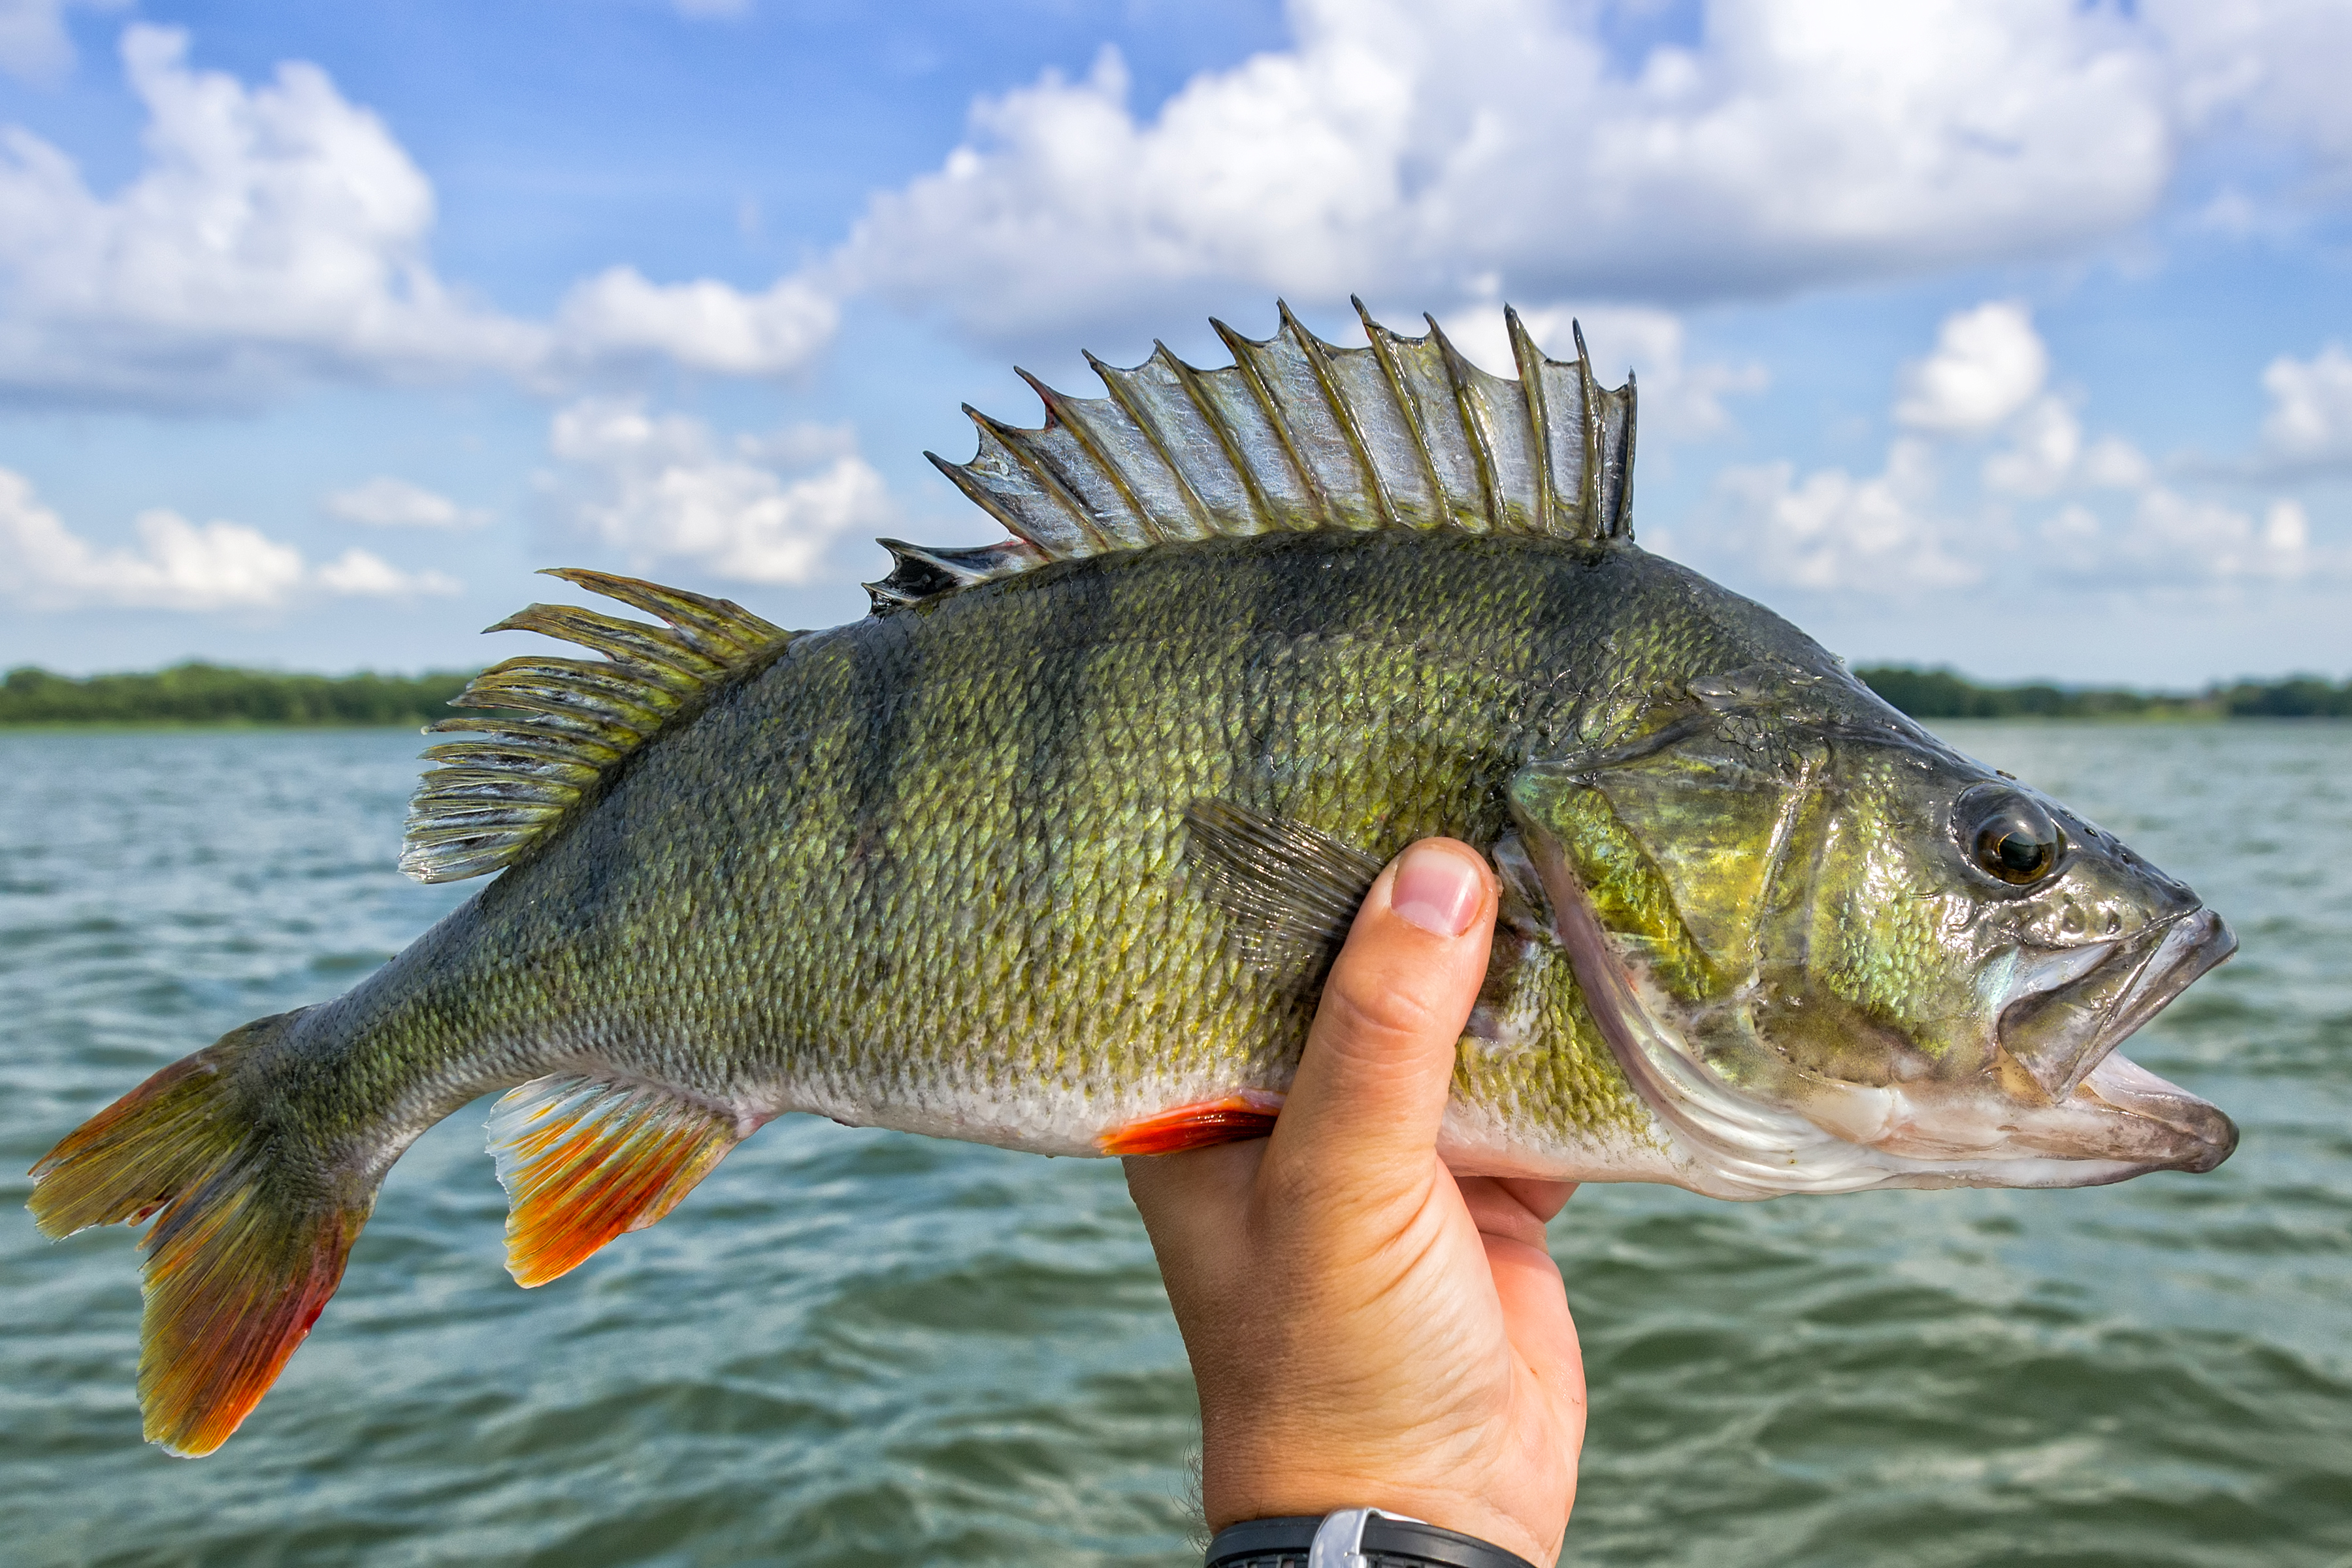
(1832, 952)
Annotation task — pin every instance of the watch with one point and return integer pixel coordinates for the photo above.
(1353, 1537)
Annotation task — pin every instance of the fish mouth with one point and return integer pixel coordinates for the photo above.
(2098, 1103)
(2090, 999)
(2063, 1107)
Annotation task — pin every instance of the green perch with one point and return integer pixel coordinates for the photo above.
(1051, 851)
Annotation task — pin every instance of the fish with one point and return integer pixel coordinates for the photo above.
(1054, 848)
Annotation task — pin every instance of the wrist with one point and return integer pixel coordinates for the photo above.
(1442, 1508)
(1250, 1469)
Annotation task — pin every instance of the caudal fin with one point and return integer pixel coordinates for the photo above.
(250, 1235)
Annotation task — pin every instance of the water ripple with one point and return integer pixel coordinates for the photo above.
(853, 1348)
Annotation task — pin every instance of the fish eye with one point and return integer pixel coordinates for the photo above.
(2008, 836)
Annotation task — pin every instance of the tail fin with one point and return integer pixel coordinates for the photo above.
(250, 1234)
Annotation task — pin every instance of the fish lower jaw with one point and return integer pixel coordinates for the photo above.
(2123, 1121)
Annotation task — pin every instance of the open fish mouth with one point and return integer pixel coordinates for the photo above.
(2058, 1034)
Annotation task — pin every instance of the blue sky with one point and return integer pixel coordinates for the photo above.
(2012, 334)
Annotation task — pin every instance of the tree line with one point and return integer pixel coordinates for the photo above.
(1941, 694)
(216, 694)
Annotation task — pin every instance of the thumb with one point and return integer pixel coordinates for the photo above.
(1372, 1081)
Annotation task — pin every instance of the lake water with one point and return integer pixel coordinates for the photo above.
(854, 1347)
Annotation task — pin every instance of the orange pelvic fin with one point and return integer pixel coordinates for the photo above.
(1232, 1119)
(584, 1158)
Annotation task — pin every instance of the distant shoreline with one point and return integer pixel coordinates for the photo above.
(217, 695)
(1943, 694)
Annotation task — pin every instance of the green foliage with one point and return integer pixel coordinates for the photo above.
(210, 694)
(2298, 696)
(1941, 694)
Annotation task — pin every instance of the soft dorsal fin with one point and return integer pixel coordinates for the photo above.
(1296, 434)
(494, 796)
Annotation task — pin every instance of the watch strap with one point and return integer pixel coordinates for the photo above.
(1380, 1541)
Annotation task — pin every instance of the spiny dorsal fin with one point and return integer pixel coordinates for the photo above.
(1296, 434)
(494, 796)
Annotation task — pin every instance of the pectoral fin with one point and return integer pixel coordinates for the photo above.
(1290, 892)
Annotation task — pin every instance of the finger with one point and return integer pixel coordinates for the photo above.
(1541, 1199)
(1497, 1209)
(1372, 1081)
(1534, 1301)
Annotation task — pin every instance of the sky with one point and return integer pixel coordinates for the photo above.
(2012, 336)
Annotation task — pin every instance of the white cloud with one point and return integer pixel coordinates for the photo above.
(1986, 378)
(271, 230)
(1988, 364)
(175, 564)
(2046, 444)
(357, 573)
(2275, 65)
(387, 502)
(1402, 149)
(2115, 464)
(1831, 532)
(703, 325)
(276, 231)
(1903, 529)
(33, 46)
(33, 43)
(2186, 541)
(2172, 538)
(281, 231)
(2047, 453)
(660, 488)
(2286, 529)
(2310, 418)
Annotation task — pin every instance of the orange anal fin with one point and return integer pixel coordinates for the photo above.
(1231, 1120)
(584, 1158)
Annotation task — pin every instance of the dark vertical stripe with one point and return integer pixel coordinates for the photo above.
(1267, 595)
(884, 667)
(1564, 645)
(1076, 616)
(1080, 613)
(886, 690)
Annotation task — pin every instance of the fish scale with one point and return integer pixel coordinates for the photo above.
(1054, 850)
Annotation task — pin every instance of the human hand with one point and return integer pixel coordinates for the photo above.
(1366, 1329)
